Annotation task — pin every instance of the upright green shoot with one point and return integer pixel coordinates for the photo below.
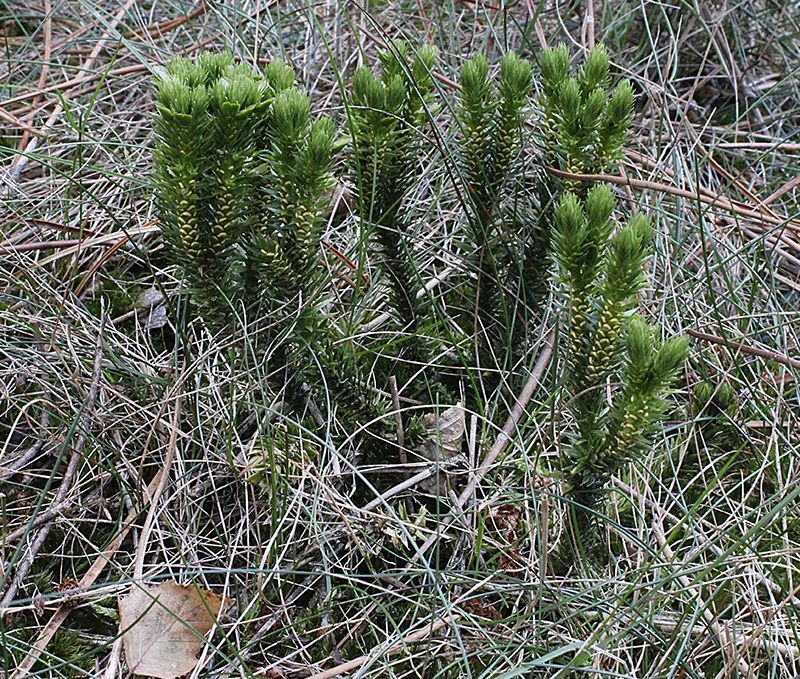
(388, 115)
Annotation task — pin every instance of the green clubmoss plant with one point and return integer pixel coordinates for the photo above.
(387, 115)
(608, 347)
(207, 134)
(241, 169)
(491, 115)
(584, 122)
(291, 181)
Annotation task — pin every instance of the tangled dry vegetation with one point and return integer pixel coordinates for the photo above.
(139, 445)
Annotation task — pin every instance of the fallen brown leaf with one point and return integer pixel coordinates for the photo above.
(163, 627)
(446, 434)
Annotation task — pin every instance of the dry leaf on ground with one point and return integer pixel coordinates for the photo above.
(152, 309)
(444, 445)
(163, 627)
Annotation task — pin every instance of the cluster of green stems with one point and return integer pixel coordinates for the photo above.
(243, 168)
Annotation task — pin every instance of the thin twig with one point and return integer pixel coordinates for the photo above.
(588, 25)
(706, 612)
(379, 651)
(788, 186)
(718, 201)
(500, 444)
(400, 487)
(7, 470)
(745, 349)
(19, 164)
(65, 488)
(89, 578)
